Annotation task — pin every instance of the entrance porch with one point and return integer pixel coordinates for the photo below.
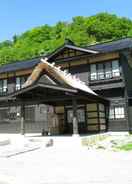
(69, 112)
(77, 109)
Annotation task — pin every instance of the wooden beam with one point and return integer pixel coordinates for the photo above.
(16, 73)
(103, 57)
(23, 119)
(84, 59)
(75, 119)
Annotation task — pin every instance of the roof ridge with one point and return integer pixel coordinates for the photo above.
(108, 41)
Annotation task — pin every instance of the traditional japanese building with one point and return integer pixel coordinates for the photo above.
(36, 95)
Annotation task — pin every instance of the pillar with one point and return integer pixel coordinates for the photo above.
(75, 120)
(22, 119)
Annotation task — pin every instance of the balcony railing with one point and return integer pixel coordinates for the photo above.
(104, 76)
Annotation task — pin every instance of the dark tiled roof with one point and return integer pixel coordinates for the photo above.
(112, 46)
(102, 47)
(19, 65)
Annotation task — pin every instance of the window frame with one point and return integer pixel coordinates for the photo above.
(93, 75)
(115, 114)
(3, 87)
(81, 119)
(112, 74)
(21, 78)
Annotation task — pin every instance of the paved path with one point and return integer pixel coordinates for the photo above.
(69, 164)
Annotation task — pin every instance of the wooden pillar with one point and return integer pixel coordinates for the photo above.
(22, 119)
(98, 112)
(75, 120)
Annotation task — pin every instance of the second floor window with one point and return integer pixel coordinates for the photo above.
(115, 69)
(19, 82)
(93, 72)
(3, 86)
(105, 70)
(100, 72)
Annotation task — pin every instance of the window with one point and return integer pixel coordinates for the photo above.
(105, 70)
(4, 115)
(43, 110)
(93, 74)
(115, 69)
(30, 113)
(108, 72)
(117, 113)
(3, 86)
(80, 115)
(100, 71)
(111, 114)
(19, 82)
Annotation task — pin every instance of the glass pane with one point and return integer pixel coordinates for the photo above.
(119, 112)
(5, 85)
(29, 113)
(22, 80)
(1, 86)
(115, 69)
(108, 70)
(100, 71)
(81, 115)
(93, 72)
(18, 84)
(111, 113)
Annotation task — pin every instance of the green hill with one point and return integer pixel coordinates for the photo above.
(81, 30)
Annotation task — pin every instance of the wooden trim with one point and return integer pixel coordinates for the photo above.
(98, 116)
(96, 124)
(4, 76)
(17, 73)
(24, 72)
(79, 62)
(103, 57)
(88, 58)
(96, 111)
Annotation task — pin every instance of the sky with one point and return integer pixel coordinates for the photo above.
(17, 16)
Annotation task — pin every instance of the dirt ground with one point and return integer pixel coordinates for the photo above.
(66, 162)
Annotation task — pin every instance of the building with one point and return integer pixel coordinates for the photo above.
(106, 68)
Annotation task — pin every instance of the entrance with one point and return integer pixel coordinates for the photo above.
(81, 116)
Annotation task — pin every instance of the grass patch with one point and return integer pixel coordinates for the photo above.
(126, 147)
(93, 140)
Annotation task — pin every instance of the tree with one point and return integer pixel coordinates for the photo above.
(81, 31)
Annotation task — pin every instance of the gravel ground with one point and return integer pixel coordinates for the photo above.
(66, 162)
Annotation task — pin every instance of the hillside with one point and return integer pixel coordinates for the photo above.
(81, 30)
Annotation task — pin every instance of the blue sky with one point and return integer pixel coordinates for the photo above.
(17, 16)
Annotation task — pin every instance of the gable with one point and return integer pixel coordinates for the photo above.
(68, 51)
(44, 78)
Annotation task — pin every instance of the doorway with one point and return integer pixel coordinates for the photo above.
(81, 115)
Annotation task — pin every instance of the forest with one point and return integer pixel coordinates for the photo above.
(82, 31)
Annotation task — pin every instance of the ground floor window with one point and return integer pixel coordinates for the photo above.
(117, 112)
(4, 115)
(30, 113)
